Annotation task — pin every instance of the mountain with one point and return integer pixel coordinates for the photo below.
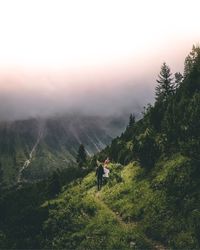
(151, 199)
(31, 149)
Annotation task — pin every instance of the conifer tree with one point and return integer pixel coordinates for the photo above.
(178, 79)
(81, 156)
(165, 86)
(192, 59)
(54, 185)
(131, 120)
(187, 65)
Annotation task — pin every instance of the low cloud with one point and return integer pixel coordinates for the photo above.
(30, 95)
(112, 89)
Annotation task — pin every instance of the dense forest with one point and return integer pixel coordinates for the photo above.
(152, 197)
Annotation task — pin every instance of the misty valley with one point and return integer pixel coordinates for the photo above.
(99, 125)
(32, 149)
(78, 181)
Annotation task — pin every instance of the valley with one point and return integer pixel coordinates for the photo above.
(31, 150)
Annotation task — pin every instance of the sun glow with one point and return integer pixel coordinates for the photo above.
(56, 34)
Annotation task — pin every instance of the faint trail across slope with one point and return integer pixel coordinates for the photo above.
(28, 161)
(128, 225)
(99, 201)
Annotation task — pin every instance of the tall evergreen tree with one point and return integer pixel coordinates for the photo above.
(192, 59)
(187, 65)
(131, 120)
(165, 85)
(81, 156)
(54, 185)
(178, 79)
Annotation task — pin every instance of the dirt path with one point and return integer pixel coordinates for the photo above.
(99, 201)
(127, 225)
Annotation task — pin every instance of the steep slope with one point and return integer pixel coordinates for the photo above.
(165, 143)
(82, 218)
(171, 125)
(151, 200)
(133, 210)
(31, 149)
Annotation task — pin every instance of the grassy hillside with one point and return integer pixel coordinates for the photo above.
(21, 212)
(131, 211)
(170, 126)
(82, 218)
(151, 199)
(156, 189)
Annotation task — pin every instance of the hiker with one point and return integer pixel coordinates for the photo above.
(99, 175)
(106, 162)
(106, 170)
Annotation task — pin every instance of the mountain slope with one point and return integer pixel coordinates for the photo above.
(88, 219)
(170, 126)
(151, 200)
(131, 210)
(161, 191)
(31, 149)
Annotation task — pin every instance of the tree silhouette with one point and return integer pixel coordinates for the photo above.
(178, 79)
(81, 156)
(191, 60)
(165, 85)
(54, 185)
(131, 120)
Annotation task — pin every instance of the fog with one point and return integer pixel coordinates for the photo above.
(26, 96)
(110, 90)
(90, 57)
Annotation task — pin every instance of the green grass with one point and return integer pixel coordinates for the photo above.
(130, 210)
(81, 219)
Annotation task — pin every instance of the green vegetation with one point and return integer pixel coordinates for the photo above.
(79, 218)
(51, 143)
(130, 209)
(21, 212)
(81, 156)
(151, 200)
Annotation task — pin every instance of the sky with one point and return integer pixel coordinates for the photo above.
(97, 57)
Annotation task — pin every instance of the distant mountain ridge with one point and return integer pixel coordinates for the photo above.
(31, 149)
(151, 198)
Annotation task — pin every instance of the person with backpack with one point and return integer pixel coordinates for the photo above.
(99, 175)
(106, 171)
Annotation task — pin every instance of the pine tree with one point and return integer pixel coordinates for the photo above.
(81, 156)
(192, 59)
(178, 79)
(131, 120)
(54, 185)
(187, 66)
(165, 86)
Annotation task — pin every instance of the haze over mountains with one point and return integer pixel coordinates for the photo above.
(71, 73)
(32, 149)
(97, 58)
(23, 97)
(150, 199)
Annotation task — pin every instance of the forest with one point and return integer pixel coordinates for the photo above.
(152, 197)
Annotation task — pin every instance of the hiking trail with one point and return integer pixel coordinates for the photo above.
(127, 225)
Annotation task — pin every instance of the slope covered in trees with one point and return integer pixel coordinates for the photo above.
(170, 126)
(32, 149)
(151, 200)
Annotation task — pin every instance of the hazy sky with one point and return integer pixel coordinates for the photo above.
(95, 56)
